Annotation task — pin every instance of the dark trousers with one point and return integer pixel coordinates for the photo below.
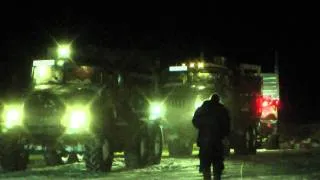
(211, 154)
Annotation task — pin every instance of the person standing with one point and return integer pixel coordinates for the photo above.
(213, 123)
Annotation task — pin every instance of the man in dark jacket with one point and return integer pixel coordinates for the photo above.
(213, 123)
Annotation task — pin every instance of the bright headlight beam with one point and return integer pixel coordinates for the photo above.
(12, 117)
(78, 119)
(156, 110)
(13, 114)
(64, 51)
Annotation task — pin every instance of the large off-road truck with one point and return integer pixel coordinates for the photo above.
(75, 111)
(186, 86)
(270, 104)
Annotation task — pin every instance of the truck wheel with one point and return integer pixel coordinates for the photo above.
(246, 143)
(253, 141)
(98, 155)
(178, 148)
(136, 155)
(273, 142)
(14, 157)
(52, 158)
(156, 145)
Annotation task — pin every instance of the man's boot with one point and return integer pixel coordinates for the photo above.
(217, 170)
(206, 174)
(217, 174)
(217, 177)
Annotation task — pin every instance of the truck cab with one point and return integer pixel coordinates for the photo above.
(270, 104)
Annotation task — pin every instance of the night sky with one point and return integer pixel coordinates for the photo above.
(246, 38)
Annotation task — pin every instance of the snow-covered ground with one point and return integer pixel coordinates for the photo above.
(283, 164)
(298, 159)
(294, 136)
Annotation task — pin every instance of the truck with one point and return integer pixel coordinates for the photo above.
(269, 122)
(81, 112)
(188, 84)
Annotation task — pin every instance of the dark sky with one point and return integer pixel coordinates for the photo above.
(245, 37)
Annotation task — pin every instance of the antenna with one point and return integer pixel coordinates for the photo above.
(276, 62)
(276, 70)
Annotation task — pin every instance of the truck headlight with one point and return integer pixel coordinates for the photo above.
(12, 116)
(76, 119)
(156, 110)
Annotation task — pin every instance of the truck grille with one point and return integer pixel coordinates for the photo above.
(185, 103)
(176, 103)
(42, 110)
(40, 120)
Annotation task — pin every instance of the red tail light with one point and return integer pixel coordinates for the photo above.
(267, 107)
(259, 103)
(264, 103)
(276, 103)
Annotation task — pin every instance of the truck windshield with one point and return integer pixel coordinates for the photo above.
(208, 75)
(46, 74)
(175, 78)
(58, 75)
(203, 76)
(82, 75)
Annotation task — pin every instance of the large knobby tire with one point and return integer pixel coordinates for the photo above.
(98, 155)
(273, 142)
(156, 145)
(253, 141)
(52, 158)
(136, 154)
(14, 157)
(246, 143)
(178, 148)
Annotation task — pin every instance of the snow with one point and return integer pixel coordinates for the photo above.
(300, 137)
(283, 164)
(298, 158)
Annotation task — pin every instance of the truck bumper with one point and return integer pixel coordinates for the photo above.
(38, 141)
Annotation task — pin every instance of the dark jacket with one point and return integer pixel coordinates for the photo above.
(212, 120)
